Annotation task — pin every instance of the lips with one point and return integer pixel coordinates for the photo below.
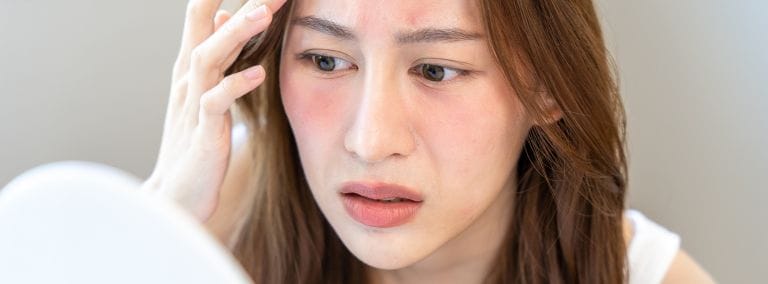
(380, 205)
(381, 191)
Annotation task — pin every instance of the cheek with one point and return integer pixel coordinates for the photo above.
(315, 110)
(313, 107)
(479, 134)
(475, 141)
(475, 145)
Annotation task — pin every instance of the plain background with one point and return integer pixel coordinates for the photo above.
(88, 80)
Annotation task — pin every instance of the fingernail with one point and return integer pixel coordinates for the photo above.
(253, 72)
(258, 13)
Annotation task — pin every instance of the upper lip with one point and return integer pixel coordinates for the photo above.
(380, 191)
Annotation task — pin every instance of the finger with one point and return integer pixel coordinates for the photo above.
(232, 56)
(222, 16)
(199, 22)
(207, 62)
(239, 29)
(215, 103)
(249, 21)
(273, 5)
(217, 100)
(198, 25)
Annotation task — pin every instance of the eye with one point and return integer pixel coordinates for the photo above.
(324, 63)
(437, 73)
(328, 63)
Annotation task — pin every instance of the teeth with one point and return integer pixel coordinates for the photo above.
(392, 200)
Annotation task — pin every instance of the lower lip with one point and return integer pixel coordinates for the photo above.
(379, 214)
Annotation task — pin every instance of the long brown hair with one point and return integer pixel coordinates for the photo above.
(567, 223)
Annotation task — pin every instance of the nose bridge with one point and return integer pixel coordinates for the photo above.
(380, 128)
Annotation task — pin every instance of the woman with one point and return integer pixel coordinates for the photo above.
(408, 142)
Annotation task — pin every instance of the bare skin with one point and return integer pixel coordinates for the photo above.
(225, 222)
(195, 149)
(204, 170)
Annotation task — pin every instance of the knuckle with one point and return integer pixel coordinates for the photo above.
(228, 83)
(179, 70)
(242, 29)
(199, 57)
(179, 89)
(183, 81)
(229, 28)
(208, 102)
(234, 31)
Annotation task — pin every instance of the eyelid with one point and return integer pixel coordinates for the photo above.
(460, 74)
(308, 58)
(325, 53)
(446, 63)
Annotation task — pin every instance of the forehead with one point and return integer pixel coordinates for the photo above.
(393, 15)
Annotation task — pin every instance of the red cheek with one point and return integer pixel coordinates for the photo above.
(312, 106)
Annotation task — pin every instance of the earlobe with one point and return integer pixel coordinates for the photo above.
(552, 112)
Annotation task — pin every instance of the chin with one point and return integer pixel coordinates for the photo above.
(385, 259)
(384, 250)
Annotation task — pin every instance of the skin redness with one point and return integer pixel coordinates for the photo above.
(407, 131)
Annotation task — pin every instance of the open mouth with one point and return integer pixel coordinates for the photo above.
(383, 200)
(380, 205)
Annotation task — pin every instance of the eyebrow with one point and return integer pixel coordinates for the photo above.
(424, 35)
(325, 26)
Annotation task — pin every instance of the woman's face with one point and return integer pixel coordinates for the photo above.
(401, 99)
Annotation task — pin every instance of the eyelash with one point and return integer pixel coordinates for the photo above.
(310, 58)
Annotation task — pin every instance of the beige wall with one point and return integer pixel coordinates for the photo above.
(87, 79)
(693, 76)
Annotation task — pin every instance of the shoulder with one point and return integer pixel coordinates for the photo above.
(685, 270)
(655, 255)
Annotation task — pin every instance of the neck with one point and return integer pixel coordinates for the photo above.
(467, 258)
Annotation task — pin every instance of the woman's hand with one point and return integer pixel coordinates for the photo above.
(195, 148)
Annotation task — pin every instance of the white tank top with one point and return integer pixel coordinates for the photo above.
(651, 249)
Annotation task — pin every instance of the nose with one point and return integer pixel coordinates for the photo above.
(381, 128)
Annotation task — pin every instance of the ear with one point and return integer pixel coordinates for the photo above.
(552, 112)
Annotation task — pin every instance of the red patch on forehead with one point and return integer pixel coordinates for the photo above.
(412, 18)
